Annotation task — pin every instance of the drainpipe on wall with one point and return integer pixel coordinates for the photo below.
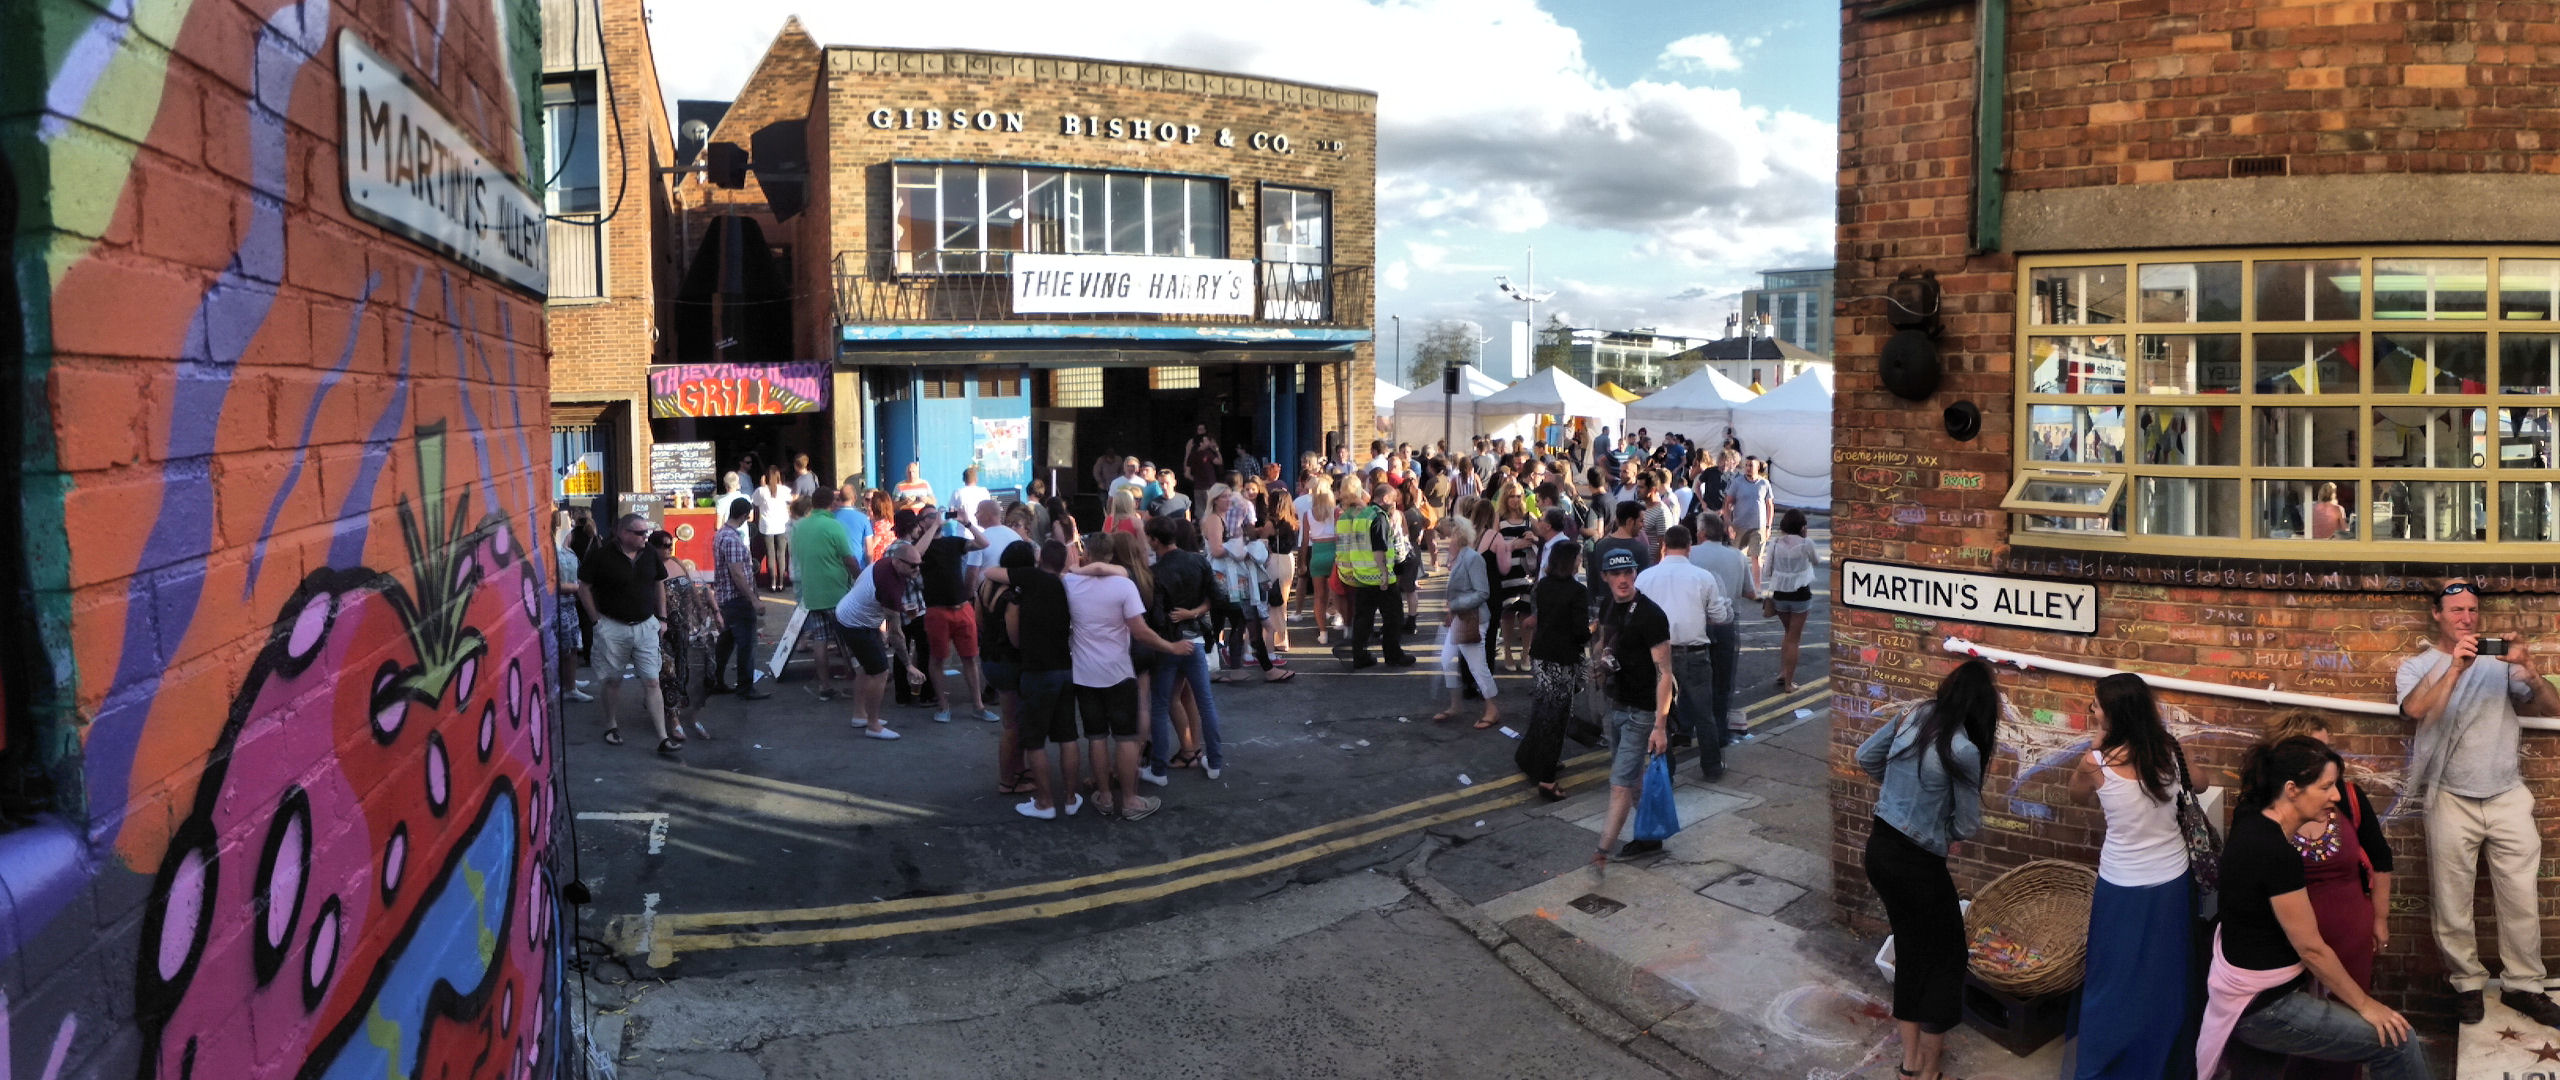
(1991, 96)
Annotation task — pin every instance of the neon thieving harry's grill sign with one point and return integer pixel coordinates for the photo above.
(1975, 598)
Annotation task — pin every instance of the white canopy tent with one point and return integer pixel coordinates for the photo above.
(1700, 406)
(1552, 391)
(1790, 427)
(1424, 414)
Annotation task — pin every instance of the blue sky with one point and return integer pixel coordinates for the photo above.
(1657, 154)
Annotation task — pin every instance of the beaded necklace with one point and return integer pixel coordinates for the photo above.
(2322, 849)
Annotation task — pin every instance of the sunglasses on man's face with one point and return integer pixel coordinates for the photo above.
(2458, 588)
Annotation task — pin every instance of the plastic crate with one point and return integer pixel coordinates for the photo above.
(2019, 1025)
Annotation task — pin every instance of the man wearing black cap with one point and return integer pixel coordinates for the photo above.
(1636, 659)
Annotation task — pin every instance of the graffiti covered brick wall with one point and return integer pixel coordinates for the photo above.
(284, 472)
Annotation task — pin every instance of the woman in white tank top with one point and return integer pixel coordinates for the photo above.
(2132, 1011)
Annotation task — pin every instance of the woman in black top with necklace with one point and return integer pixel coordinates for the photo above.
(2269, 948)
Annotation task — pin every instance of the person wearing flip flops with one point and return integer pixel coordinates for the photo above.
(1462, 635)
(621, 592)
(1183, 581)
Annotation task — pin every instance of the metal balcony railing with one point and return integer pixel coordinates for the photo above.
(971, 286)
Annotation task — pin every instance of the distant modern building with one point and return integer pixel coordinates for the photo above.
(1639, 360)
(1795, 307)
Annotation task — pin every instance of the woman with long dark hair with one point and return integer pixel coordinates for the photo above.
(2133, 1001)
(2269, 949)
(2346, 869)
(1794, 564)
(1929, 766)
(1558, 631)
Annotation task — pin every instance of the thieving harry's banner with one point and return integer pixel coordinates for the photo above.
(738, 389)
(1136, 284)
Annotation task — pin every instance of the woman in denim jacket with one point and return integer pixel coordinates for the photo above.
(1929, 766)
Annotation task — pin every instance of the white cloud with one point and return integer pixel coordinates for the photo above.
(1701, 52)
(1492, 127)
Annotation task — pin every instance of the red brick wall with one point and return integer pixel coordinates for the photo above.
(2138, 92)
(287, 513)
(2143, 91)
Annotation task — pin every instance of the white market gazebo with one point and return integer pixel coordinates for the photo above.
(1790, 428)
(1700, 406)
(1424, 413)
(1555, 393)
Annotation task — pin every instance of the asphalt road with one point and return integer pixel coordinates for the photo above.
(786, 839)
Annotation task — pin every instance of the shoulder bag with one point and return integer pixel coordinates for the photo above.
(2204, 845)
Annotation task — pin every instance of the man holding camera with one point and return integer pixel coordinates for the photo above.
(2465, 692)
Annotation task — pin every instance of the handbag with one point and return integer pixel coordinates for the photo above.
(1768, 607)
(1590, 706)
(2204, 845)
(1468, 627)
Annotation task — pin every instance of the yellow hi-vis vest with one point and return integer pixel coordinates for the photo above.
(1355, 555)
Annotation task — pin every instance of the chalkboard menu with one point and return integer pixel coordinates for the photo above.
(684, 472)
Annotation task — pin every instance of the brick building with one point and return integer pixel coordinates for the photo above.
(1023, 263)
(2195, 264)
(607, 151)
(278, 794)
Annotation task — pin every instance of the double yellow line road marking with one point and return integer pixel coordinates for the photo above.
(666, 935)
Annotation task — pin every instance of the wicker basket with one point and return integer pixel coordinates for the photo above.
(2043, 905)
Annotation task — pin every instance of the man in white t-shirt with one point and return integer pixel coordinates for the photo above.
(1105, 615)
(999, 537)
(1694, 601)
(1133, 478)
(966, 499)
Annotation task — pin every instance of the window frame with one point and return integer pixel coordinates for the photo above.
(583, 96)
(2475, 418)
(1078, 206)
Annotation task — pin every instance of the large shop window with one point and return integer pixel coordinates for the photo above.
(2314, 404)
(966, 219)
(1296, 248)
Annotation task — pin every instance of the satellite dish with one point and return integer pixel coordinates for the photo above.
(696, 131)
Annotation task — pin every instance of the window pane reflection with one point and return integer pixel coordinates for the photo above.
(2528, 363)
(2431, 364)
(2430, 510)
(2077, 295)
(2182, 506)
(2529, 289)
(2430, 288)
(2308, 363)
(2409, 438)
(2194, 435)
(2190, 363)
(2293, 438)
(2076, 365)
(2307, 509)
(2529, 512)
(2310, 291)
(2526, 439)
(2191, 292)
(2078, 434)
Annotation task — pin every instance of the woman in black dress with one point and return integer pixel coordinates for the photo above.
(1558, 632)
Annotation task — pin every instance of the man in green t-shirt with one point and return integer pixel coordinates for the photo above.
(823, 551)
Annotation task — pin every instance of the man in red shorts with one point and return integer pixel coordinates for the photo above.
(951, 624)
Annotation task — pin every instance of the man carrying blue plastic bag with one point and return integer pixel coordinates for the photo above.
(1634, 663)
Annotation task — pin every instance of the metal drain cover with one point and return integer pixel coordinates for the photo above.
(1595, 905)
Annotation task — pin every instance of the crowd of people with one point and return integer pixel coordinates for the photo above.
(1114, 632)
(2276, 974)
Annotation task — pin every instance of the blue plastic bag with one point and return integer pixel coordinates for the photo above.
(1657, 816)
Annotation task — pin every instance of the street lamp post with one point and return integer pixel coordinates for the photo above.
(1529, 296)
(1402, 376)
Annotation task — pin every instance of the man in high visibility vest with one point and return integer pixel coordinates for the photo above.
(1367, 546)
